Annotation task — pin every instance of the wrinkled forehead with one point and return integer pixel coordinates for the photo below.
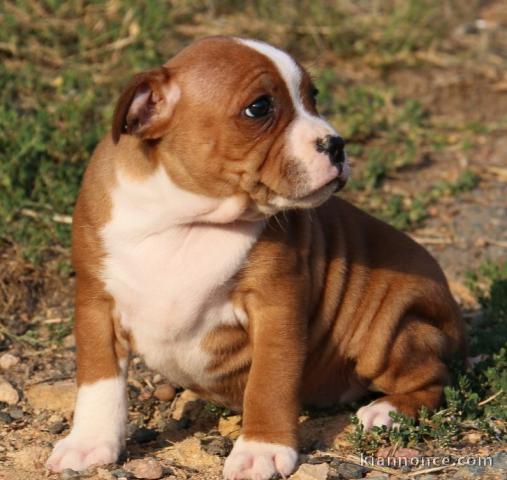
(215, 64)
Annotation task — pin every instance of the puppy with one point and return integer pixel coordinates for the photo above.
(207, 239)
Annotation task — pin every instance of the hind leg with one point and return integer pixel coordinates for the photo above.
(410, 370)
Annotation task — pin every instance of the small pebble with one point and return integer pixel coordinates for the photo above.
(473, 437)
(351, 470)
(8, 393)
(122, 474)
(57, 427)
(69, 341)
(500, 461)
(7, 361)
(319, 459)
(157, 378)
(68, 474)
(308, 471)
(476, 470)
(144, 435)
(145, 468)
(15, 413)
(220, 446)
(165, 392)
(5, 418)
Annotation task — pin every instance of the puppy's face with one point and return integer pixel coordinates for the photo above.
(232, 117)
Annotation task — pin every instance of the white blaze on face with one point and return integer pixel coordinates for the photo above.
(306, 128)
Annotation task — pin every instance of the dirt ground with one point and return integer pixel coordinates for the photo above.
(188, 438)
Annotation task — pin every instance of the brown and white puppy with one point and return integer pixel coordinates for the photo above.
(207, 240)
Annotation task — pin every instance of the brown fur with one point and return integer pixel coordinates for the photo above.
(338, 302)
(379, 317)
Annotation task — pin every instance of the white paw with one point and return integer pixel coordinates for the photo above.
(78, 454)
(376, 414)
(259, 460)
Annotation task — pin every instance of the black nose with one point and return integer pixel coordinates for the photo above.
(334, 146)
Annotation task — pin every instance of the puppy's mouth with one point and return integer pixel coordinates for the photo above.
(320, 195)
(312, 199)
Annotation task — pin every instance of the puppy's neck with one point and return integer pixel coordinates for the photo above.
(146, 201)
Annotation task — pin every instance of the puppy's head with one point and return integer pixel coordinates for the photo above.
(230, 117)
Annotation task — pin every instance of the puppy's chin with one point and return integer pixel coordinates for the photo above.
(280, 203)
(318, 197)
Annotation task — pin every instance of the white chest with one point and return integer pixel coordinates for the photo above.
(170, 282)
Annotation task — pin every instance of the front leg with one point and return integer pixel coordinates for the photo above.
(98, 433)
(268, 444)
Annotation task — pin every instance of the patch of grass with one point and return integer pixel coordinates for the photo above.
(57, 83)
(405, 212)
(397, 130)
(490, 332)
(63, 64)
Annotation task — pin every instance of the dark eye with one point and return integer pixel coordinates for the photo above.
(314, 92)
(261, 107)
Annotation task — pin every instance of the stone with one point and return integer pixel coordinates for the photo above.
(319, 459)
(121, 474)
(387, 452)
(7, 361)
(220, 446)
(473, 437)
(145, 468)
(57, 427)
(69, 474)
(69, 341)
(8, 394)
(308, 471)
(476, 470)
(499, 461)
(144, 435)
(15, 413)
(59, 396)
(351, 470)
(190, 453)
(5, 418)
(165, 392)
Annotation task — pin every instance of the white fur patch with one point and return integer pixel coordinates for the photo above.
(376, 414)
(169, 278)
(98, 432)
(259, 460)
(287, 67)
(306, 128)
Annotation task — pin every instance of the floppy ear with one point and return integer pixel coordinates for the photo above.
(146, 105)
